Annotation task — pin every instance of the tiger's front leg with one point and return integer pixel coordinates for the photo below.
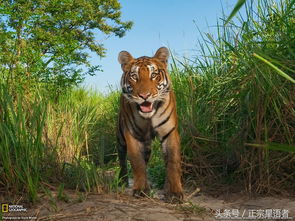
(171, 149)
(135, 152)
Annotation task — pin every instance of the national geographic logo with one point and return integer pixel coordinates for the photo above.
(5, 208)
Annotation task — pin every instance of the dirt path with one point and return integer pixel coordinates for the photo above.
(112, 207)
(109, 207)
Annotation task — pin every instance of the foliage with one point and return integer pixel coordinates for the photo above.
(21, 148)
(156, 166)
(71, 141)
(50, 41)
(236, 103)
(237, 7)
(88, 120)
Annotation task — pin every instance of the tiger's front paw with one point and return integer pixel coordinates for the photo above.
(174, 198)
(138, 193)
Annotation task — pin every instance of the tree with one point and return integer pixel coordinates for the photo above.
(50, 41)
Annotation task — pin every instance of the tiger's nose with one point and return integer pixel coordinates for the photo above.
(144, 95)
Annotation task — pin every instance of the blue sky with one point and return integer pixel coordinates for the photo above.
(157, 23)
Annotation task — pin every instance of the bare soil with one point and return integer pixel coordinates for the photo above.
(109, 207)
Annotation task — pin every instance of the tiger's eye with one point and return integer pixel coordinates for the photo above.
(153, 75)
(134, 77)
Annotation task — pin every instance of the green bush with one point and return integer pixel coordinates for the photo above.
(235, 108)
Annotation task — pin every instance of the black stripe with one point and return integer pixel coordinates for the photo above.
(126, 77)
(164, 74)
(165, 78)
(166, 107)
(134, 127)
(124, 89)
(157, 106)
(164, 121)
(133, 120)
(121, 137)
(125, 121)
(121, 143)
(133, 132)
(125, 80)
(167, 135)
(137, 132)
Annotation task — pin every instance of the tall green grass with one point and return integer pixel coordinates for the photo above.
(236, 118)
(88, 122)
(68, 141)
(236, 102)
(86, 146)
(21, 148)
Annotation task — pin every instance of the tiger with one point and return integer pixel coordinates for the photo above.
(148, 110)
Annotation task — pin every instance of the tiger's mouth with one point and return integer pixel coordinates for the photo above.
(146, 107)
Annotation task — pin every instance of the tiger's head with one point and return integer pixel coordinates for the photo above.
(145, 80)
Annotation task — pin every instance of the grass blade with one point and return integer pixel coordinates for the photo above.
(280, 72)
(274, 146)
(237, 7)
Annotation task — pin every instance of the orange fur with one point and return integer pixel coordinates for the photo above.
(148, 109)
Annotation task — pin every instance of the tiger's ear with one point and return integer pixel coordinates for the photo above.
(162, 54)
(124, 58)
